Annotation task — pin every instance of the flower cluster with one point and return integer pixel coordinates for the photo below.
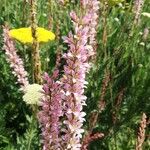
(80, 49)
(61, 116)
(91, 18)
(141, 132)
(138, 4)
(51, 112)
(74, 84)
(15, 62)
(33, 94)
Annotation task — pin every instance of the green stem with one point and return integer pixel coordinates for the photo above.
(35, 45)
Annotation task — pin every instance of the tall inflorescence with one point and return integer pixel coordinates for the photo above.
(64, 98)
(137, 10)
(141, 132)
(89, 138)
(51, 111)
(15, 61)
(35, 45)
(92, 9)
(77, 65)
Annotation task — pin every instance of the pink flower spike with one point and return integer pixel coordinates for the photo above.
(51, 111)
(81, 48)
(16, 63)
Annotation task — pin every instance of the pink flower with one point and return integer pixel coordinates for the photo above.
(49, 116)
(61, 116)
(75, 72)
(138, 4)
(16, 63)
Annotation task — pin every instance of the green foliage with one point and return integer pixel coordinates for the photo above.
(30, 139)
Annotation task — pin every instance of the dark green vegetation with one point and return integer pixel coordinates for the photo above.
(119, 76)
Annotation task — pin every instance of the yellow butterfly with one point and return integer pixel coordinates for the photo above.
(24, 35)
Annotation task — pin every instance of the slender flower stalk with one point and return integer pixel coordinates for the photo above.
(145, 34)
(137, 10)
(80, 49)
(105, 12)
(15, 61)
(74, 83)
(141, 133)
(89, 138)
(95, 114)
(116, 106)
(35, 50)
(92, 8)
(51, 112)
